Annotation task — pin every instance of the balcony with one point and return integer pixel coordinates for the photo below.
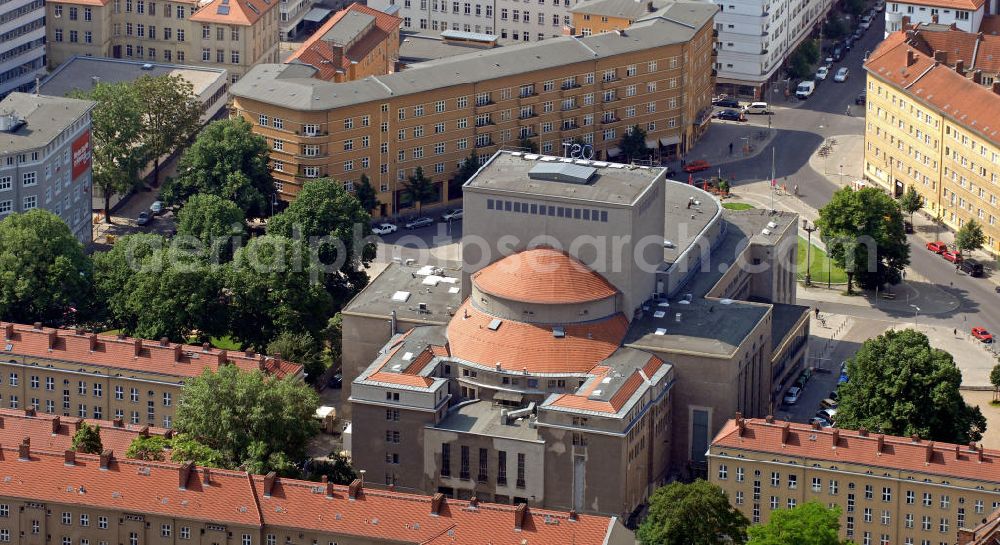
(487, 102)
(570, 127)
(529, 134)
(609, 120)
(484, 123)
(528, 95)
(484, 144)
(568, 86)
(528, 116)
(570, 108)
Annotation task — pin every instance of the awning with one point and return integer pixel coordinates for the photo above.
(670, 140)
(317, 15)
(515, 397)
(612, 152)
(650, 142)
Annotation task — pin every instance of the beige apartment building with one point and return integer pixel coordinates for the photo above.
(75, 373)
(933, 101)
(891, 490)
(229, 34)
(657, 74)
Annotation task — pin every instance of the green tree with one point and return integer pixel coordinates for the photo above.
(335, 226)
(633, 144)
(854, 7)
(910, 202)
(171, 114)
(186, 449)
(337, 469)
(274, 285)
(724, 186)
(333, 337)
(528, 145)
(87, 439)
(115, 267)
(252, 421)
(152, 448)
(800, 63)
(365, 193)
(970, 237)
(468, 169)
(863, 231)
(117, 131)
(218, 223)
(301, 348)
(995, 381)
(697, 513)
(228, 160)
(835, 28)
(44, 274)
(900, 385)
(420, 189)
(806, 524)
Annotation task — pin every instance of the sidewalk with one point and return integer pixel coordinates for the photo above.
(714, 144)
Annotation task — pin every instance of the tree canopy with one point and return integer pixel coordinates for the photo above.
(863, 231)
(970, 237)
(420, 188)
(227, 160)
(900, 385)
(44, 274)
(697, 513)
(807, 524)
(995, 380)
(365, 193)
(302, 348)
(171, 114)
(338, 469)
(218, 223)
(251, 421)
(633, 144)
(910, 201)
(87, 439)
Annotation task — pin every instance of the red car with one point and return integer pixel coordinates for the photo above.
(951, 256)
(981, 334)
(937, 247)
(697, 166)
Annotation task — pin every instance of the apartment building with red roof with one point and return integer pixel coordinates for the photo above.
(76, 373)
(355, 43)
(964, 15)
(55, 433)
(933, 123)
(67, 497)
(889, 489)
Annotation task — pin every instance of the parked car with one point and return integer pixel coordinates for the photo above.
(848, 43)
(418, 222)
(834, 395)
(823, 423)
(858, 33)
(828, 403)
(730, 115)
(805, 89)
(952, 257)
(937, 246)
(843, 373)
(792, 395)
(861, 99)
(143, 218)
(760, 108)
(838, 53)
(336, 381)
(841, 75)
(156, 208)
(907, 227)
(384, 229)
(827, 414)
(822, 72)
(455, 214)
(972, 267)
(981, 334)
(697, 166)
(726, 102)
(866, 22)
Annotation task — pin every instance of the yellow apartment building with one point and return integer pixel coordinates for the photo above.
(230, 34)
(890, 490)
(657, 75)
(599, 16)
(79, 374)
(931, 124)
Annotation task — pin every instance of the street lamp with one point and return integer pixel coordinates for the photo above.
(916, 310)
(808, 229)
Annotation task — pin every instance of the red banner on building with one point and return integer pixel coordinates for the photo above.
(81, 154)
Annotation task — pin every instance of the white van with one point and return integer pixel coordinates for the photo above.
(805, 89)
(758, 108)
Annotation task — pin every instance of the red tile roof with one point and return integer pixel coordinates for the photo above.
(971, 5)
(976, 51)
(239, 12)
(990, 25)
(55, 433)
(937, 86)
(519, 345)
(898, 453)
(544, 276)
(322, 56)
(579, 400)
(132, 354)
(233, 497)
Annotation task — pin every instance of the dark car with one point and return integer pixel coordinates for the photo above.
(838, 54)
(971, 267)
(848, 43)
(336, 381)
(731, 115)
(861, 99)
(727, 102)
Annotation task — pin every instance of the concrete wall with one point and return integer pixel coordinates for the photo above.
(404, 465)
(545, 313)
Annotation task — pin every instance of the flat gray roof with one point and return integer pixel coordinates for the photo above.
(683, 224)
(317, 15)
(626, 9)
(385, 293)
(47, 117)
(611, 183)
(483, 418)
(78, 73)
(347, 29)
(275, 84)
(417, 48)
(783, 318)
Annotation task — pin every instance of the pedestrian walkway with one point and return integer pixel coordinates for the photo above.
(843, 162)
(748, 140)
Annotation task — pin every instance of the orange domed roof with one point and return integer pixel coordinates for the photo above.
(543, 275)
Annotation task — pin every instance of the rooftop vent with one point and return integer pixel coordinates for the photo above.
(772, 225)
(408, 356)
(562, 172)
(401, 296)
(766, 232)
(495, 324)
(10, 122)
(558, 332)
(660, 331)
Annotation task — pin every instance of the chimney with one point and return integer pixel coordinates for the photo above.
(118, 423)
(206, 476)
(184, 474)
(269, 483)
(835, 436)
(56, 424)
(785, 433)
(437, 502)
(995, 87)
(911, 57)
(29, 412)
(69, 458)
(905, 21)
(965, 537)
(248, 354)
(879, 444)
(473, 502)
(934, 18)
(957, 452)
(816, 425)
(519, 515)
(573, 515)
(223, 357)
(106, 458)
(23, 451)
(37, 326)
(205, 347)
(960, 66)
(769, 419)
(164, 341)
(329, 489)
(979, 454)
(136, 347)
(929, 456)
(8, 331)
(977, 77)
(93, 341)
(354, 490)
(862, 432)
(940, 56)
(78, 331)
(144, 432)
(741, 424)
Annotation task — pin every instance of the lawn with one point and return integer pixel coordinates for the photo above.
(736, 206)
(818, 269)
